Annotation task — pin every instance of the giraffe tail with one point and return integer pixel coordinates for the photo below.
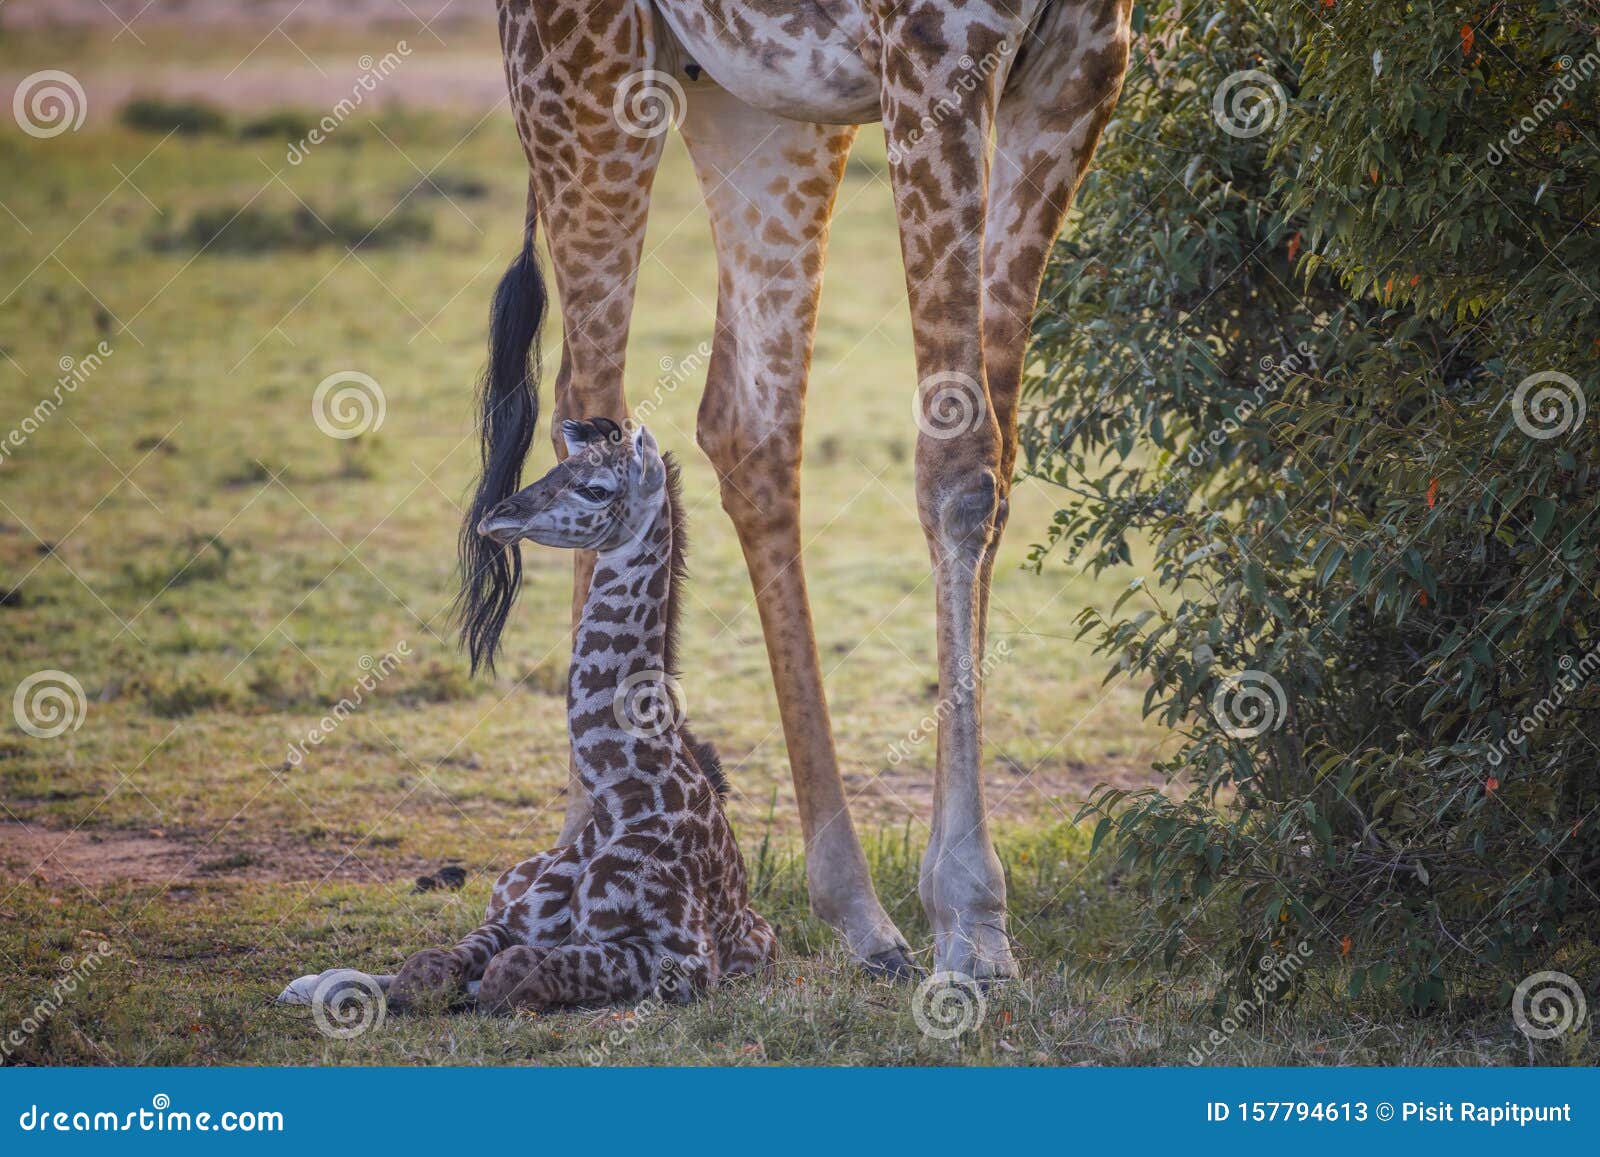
(508, 402)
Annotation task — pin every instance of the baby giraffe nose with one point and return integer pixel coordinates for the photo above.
(504, 510)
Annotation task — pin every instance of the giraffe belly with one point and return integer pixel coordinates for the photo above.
(812, 62)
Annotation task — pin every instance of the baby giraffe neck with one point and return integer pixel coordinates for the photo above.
(622, 703)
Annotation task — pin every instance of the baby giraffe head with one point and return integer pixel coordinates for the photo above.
(605, 493)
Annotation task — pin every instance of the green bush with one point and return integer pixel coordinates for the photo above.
(1326, 336)
(153, 114)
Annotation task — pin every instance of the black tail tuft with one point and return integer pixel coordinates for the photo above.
(710, 762)
(509, 405)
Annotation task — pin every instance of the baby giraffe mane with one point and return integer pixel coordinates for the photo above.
(677, 570)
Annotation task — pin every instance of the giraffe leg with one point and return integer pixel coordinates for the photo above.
(938, 137)
(975, 244)
(591, 175)
(770, 276)
(1048, 123)
(530, 904)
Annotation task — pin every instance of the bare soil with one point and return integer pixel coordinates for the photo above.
(57, 858)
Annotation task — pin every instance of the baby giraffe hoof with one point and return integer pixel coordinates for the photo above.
(432, 979)
(507, 982)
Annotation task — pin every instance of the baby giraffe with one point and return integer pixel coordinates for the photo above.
(652, 895)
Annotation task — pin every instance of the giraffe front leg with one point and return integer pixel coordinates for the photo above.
(770, 278)
(442, 976)
(938, 135)
(530, 905)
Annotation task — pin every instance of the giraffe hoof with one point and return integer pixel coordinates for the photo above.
(893, 965)
(433, 977)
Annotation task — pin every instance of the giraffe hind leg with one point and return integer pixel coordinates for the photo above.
(535, 979)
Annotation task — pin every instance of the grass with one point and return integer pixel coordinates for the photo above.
(217, 573)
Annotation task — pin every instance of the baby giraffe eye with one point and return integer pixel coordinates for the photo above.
(594, 493)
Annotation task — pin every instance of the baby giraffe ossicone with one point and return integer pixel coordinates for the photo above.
(652, 896)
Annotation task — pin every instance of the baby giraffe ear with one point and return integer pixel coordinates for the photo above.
(575, 434)
(646, 470)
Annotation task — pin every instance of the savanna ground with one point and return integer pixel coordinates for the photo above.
(217, 572)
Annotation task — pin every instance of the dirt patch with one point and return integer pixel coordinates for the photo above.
(62, 859)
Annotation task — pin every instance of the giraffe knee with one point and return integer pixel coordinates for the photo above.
(511, 980)
(969, 510)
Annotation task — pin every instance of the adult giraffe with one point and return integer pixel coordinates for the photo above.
(773, 90)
